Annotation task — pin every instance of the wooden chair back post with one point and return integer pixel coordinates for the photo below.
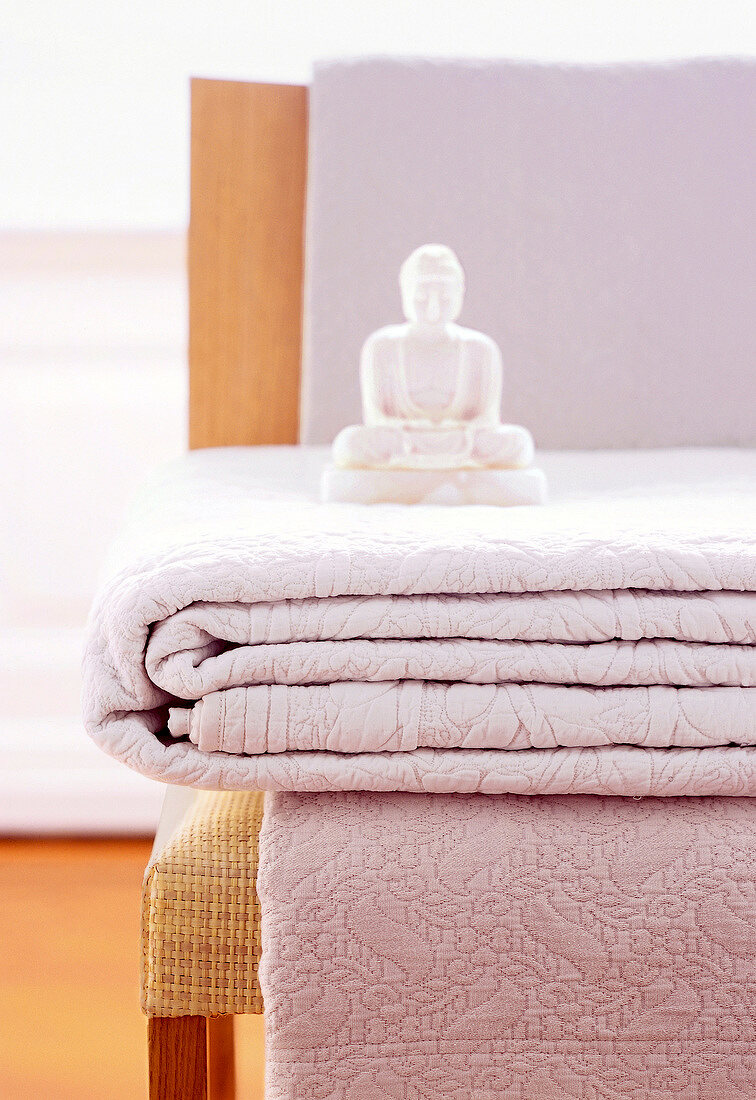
(246, 250)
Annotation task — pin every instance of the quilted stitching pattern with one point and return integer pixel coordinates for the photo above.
(508, 948)
(596, 645)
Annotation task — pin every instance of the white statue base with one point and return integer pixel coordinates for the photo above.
(506, 488)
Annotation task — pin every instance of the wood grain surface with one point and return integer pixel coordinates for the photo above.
(178, 1057)
(248, 181)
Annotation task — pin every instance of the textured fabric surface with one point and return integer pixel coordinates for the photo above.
(200, 914)
(249, 636)
(508, 948)
(603, 216)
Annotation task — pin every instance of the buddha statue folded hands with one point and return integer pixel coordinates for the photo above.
(431, 394)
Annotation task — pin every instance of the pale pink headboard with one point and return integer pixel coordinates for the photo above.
(604, 216)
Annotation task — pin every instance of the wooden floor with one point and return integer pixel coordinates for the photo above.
(70, 1023)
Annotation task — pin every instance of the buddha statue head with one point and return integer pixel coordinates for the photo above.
(432, 283)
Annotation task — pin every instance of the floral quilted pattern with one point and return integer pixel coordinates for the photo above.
(248, 636)
(508, 948)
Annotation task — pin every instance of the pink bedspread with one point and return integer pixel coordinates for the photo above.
(508, 948)
(246, 635)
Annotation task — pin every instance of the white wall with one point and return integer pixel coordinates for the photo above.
(94, 95)
(93, 383)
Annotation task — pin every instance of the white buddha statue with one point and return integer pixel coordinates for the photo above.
(431, 394)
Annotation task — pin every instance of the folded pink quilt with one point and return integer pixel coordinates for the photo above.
(246, 635)
(509, 948)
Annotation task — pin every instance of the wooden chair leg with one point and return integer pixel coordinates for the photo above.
(221, 1070)
(177, 1057)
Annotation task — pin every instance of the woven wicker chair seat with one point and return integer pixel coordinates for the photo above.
(200, 913)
